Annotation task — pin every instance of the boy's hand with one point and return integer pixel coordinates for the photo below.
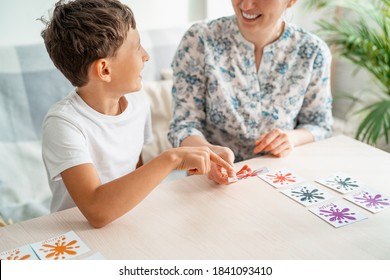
(276, 142)
(199, 160)
(217, 173)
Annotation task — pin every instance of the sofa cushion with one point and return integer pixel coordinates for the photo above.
(29, 84)
(159, 93)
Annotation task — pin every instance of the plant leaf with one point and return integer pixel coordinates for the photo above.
(376, 123)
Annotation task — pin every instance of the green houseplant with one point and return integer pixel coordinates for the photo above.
(361, 35)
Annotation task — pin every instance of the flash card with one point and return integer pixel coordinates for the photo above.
(62, 247)
(22, 253)
(307, 194)
(341, 182)
(257, 172)
(338, 213)
(247, 172)
(369, 199)
(281, 178)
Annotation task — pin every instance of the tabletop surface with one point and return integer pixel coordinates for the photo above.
(193, 218)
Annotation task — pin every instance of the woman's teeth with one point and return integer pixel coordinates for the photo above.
(249, 16)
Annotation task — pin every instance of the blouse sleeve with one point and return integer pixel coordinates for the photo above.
(189, 85)
(316, 112)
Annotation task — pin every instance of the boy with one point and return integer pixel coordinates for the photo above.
(92, 139)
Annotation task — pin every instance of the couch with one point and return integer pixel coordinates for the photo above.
(29, 85)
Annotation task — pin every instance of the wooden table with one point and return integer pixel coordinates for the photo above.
(192, 218)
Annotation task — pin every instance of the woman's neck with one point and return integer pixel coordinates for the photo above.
(262, 39)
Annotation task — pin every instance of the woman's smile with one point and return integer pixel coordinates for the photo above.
(250, 16)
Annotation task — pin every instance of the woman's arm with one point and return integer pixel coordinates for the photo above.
(189, 88)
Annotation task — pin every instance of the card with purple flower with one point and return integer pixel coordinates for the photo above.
(338, 213)
(370, 199)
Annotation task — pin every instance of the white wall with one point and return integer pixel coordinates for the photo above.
(18, 24)
(218, 8)
(18, 20)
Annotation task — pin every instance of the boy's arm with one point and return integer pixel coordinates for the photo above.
(102, 204)
(196, 141)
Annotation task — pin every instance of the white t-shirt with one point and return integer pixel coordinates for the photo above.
(74, 134)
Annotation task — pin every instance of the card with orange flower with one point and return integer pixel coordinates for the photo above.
(61, 247)
(22, 253)
(282, 178)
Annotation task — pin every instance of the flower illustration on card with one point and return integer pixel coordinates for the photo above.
(334, 214)
(59, 249)
(372, 201)
(280, 178)
(304, 194)
(15, 255)
(346, 183)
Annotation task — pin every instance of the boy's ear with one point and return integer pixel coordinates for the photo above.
(102, 70)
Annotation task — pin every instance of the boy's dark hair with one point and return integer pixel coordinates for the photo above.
(83, 31)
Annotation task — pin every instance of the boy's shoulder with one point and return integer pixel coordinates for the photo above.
(63, 104)
(73, 109)
(64, 109)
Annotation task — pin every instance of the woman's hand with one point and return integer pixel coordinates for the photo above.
(276, 142)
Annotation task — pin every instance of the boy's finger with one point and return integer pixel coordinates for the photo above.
(219, 161)
(192, 171)
(222, 178)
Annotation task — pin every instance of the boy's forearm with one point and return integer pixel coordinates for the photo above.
(115, 198)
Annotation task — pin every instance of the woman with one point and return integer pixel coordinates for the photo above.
(250, 84)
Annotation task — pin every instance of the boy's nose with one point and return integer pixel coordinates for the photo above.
(146, 56)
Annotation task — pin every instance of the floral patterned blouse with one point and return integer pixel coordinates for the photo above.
(219, 93)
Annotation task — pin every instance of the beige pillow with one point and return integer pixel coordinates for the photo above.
(159, 93)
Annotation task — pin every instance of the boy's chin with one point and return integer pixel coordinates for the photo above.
(135, 88)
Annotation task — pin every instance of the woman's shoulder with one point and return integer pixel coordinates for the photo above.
(303, 37)
(214, 26)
